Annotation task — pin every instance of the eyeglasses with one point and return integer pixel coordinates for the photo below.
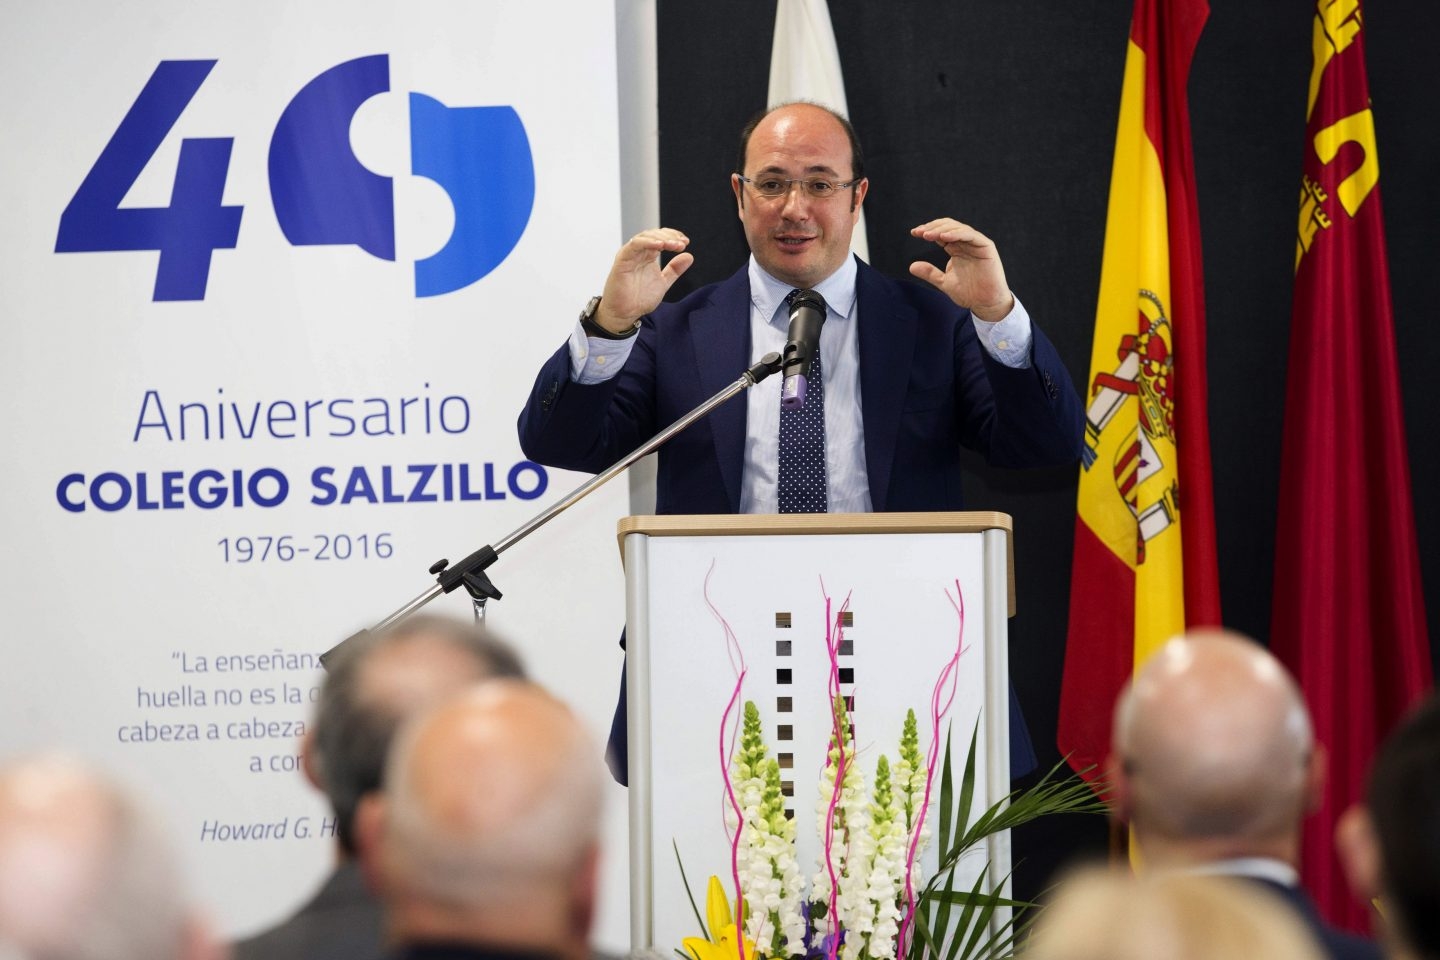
(818, 188)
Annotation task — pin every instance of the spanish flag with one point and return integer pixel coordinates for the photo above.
(1144, 564)
(1348, 616)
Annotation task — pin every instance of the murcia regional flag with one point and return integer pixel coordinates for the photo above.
(1348, 616)
(1144, 563)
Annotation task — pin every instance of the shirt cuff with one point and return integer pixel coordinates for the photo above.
(595, 359)
(1007, 340)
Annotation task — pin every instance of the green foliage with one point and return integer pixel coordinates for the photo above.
(910, 771)
(750, 762)
(953, 924)
(688, 894)
(978, 923)
(882, 809)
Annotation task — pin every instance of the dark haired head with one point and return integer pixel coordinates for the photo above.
(354, 725)
(1404, 800)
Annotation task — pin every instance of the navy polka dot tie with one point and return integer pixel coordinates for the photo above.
(802, 486)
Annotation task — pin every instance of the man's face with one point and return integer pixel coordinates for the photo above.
(796, 238)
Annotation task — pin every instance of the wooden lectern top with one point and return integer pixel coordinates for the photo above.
(773, 524)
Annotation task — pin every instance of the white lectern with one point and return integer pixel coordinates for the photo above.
(768, 578)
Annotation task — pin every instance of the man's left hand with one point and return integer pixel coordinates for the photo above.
(974, 278)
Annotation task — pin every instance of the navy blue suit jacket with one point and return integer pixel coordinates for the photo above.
(1337, 944)
(927, 388)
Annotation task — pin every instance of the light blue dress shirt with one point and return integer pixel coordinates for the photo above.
(595, 360)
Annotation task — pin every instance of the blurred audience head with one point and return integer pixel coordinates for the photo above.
(86, 873)
(1108, 915)
(377, 680)
(1390, 846)
(1213, 755)
(487, 831)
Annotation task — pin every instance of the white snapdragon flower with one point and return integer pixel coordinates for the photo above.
(908, 783)
(872, 906)
(769, 873)
(851, 813)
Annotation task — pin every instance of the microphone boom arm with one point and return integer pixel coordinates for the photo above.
(470, 572)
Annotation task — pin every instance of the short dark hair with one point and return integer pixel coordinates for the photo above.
(352, 734)
(1404, 795)
(857, 156)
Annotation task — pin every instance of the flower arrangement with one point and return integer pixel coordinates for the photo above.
(866, 898)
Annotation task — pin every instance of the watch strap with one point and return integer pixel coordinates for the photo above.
(593, 329)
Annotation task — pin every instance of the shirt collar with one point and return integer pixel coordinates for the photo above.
(1257, 868)
(838, 289)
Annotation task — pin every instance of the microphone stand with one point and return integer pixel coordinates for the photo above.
(470, 572)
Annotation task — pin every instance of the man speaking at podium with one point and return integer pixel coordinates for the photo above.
(905, 374)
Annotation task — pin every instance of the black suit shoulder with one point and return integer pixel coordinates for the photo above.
(341, 922)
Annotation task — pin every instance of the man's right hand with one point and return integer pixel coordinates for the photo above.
(637, 283)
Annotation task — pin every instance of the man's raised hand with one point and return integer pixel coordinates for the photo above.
(973, 278)
(637, 283)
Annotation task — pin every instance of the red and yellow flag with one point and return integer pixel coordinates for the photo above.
(1349, 614)
(1144, 565)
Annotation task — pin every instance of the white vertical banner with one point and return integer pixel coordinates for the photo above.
(275, 279)
(805, 65)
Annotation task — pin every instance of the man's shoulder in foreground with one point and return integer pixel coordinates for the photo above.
(341, 922)
(455, 950)
(1338, 944)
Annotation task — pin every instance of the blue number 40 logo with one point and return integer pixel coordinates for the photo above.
(322, 194)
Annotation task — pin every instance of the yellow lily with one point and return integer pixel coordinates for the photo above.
(724, 942)
(717, 908)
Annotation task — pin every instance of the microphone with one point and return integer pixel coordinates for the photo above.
(807, 314)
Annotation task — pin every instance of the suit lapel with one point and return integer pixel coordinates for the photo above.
(887, 346)
(720, 333)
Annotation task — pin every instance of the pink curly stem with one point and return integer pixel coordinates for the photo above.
(737, 659)
(732, 643)
(727, 755)
(951, 675)
(834, 634)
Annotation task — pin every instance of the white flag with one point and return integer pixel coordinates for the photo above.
(805, 65)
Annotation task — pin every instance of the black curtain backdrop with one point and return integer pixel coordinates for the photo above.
(1003, 114)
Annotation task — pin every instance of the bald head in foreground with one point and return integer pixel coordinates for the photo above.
(86, 874)
(1215, 767)
(485, 841)
(1216, 758)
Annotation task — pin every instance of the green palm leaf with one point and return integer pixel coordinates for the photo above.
(960, 924)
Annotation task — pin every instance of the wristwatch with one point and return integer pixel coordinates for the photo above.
(593, 329)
